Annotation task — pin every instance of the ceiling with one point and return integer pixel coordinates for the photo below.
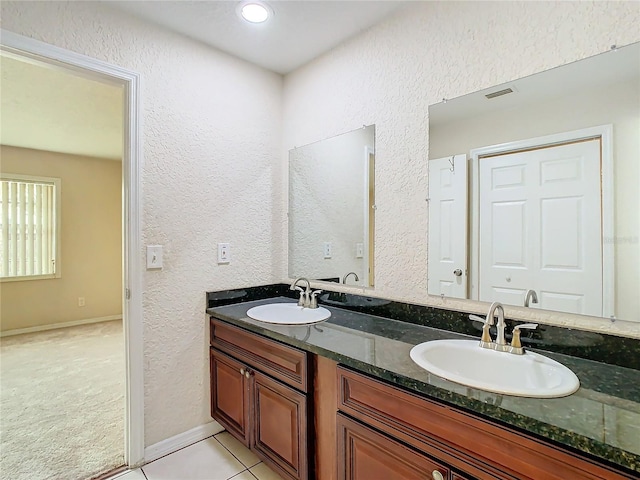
(298, 32)
(47, 108)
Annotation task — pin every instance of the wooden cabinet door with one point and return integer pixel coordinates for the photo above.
(280, 426)
(230, 395)
(365, 454)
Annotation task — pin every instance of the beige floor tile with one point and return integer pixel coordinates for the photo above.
(242, 453)
(205, 460)
(262, 472)
(243, 476)
(131, 475)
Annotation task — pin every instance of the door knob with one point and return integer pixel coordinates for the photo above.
(457, 272)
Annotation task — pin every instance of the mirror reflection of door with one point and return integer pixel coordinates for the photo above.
(601, 90)
(448, 243)
(540, 227)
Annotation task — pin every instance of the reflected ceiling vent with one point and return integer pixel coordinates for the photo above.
(499, 93)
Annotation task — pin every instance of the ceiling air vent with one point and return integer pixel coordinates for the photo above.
(499, 93)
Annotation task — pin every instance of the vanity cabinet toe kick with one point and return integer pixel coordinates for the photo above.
(309, 418)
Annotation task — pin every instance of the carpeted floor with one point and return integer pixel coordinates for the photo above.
(62, 403)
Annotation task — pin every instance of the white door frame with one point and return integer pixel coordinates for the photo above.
(605, 133)
(40, 52)
(368, 151)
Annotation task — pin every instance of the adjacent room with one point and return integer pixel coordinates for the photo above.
(62, 374)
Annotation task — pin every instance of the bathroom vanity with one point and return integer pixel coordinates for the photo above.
(259, 394)
(342, 400)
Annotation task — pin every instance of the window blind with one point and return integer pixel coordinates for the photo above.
(28, 228)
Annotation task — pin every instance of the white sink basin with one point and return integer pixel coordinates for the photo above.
(288, 314)
(464, 362)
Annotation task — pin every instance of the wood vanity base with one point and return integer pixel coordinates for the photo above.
(459, 442)
(309, 418)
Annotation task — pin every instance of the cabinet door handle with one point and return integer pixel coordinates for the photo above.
(247, 373)
(242, 371)
(436, 475)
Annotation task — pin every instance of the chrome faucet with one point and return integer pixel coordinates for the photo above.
(304, 294)
(500, 345)
(344, 279)
(530, 296)
(308, 298)
(496, 307)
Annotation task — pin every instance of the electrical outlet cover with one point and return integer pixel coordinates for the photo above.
(327, 249)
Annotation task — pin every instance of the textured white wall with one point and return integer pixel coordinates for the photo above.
(388, 76)
(212, 169)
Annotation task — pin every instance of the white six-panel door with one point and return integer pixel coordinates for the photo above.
(447, 262)
(540, 227)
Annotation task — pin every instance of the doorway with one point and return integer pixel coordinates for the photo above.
(54, 57)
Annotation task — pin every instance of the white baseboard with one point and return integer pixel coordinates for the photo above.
(53, 326)
(170, 445)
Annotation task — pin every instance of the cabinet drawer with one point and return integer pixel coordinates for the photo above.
(283, 362)
(371, 455)
(479, 448)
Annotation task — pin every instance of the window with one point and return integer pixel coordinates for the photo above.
(30, 240)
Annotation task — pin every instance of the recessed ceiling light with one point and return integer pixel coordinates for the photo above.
(255, 12)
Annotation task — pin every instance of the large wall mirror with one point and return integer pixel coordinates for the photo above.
(534, 190)
(331, 209)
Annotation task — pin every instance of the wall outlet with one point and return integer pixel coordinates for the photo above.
(154, 257)
(359, 250)
(224, 253)
(327, 249)
(81, 302)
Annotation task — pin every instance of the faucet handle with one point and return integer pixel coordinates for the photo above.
(314, 298)
(302, 302)
(485, 341)
(516, 345)
(477, 318)
(528, 326)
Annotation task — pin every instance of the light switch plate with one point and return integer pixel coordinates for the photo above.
(359, 250)
(224, 253)
(154, 257)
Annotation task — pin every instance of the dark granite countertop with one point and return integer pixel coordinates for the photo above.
(602, 419)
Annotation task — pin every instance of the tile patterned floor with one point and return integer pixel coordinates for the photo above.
(220, 457)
